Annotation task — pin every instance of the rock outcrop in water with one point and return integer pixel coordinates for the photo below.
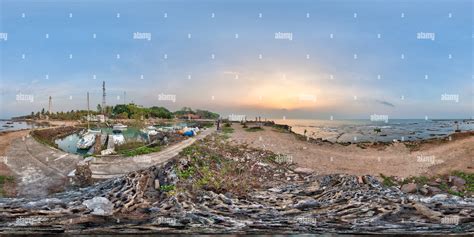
(201, 192)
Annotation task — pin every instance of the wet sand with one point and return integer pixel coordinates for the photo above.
(396, 159)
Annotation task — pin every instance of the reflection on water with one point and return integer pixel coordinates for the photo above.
(6, 125)
(68, 143)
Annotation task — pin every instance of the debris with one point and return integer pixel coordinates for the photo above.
(409, 188)
(100, 206)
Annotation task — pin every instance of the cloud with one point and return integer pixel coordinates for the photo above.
(385, 103)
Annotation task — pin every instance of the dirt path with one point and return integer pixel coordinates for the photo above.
(109, 169)
(9, 188)
(38, 169)
(396, 159)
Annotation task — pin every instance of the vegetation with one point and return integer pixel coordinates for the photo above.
(123, 111)
(132, 111)
(209, 170)
(136, 148)
(440, 181)
(254, 129)
(3, 181)
(227, 129)
(388, 181)
(167, 188)
(141, 151)
(469, 177)
(48, 136)
(129, 146)
(204, 114)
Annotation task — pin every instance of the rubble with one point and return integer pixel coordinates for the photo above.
(213, 187)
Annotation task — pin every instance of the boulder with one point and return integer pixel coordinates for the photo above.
(434, 190)
(100, 206)
(409, 188)
(83, 173)
(457, 181)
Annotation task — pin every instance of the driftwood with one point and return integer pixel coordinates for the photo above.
(315, 204)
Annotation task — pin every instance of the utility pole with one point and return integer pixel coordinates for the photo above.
(124, 94)
(103, 97)
(88, 116)
(49, 106)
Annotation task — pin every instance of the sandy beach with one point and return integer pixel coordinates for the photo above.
(396, 159)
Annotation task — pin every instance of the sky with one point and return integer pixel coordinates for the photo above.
(292, 59)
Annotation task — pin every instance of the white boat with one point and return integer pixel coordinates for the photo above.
(166, 129)
(150, 130)
(119, 127)
(86, 141)
(118, 137)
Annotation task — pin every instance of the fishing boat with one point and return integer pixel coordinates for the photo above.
(86, 141)
(118, 137)
(150, 130)
(119, 127)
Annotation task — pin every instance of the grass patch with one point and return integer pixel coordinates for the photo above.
(129, 146)
(388, 181)
(422, 180)
(227, 130)
(3, 181)
(167, 188)
(136, 148)
(141, 151)
(186, 173)
(469, 179)
(207, 169)
(254, 129)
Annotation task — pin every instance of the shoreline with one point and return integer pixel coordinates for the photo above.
(403, 159)
(287, 128)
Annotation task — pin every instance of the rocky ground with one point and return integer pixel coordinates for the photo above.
(214, 186)
(403, 159)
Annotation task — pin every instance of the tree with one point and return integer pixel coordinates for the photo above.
(42, 111)
(99, 108)
(160, 112)
(207, 114)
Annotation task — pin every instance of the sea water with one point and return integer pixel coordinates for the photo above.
(367, 130)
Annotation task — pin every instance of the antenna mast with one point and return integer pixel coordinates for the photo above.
(103, 97)
(49, 106)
